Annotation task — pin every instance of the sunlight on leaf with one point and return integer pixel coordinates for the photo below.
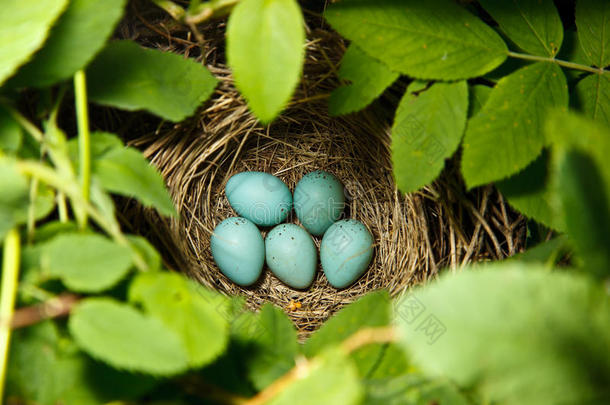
(436, 39)
(265, 50)
(24, 25)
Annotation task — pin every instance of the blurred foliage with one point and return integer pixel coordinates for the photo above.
(490, 81)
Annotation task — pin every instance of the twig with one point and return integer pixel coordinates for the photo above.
(304, 367)
(369, 335)
(54, 308)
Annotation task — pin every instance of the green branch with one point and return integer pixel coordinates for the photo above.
(10, 276)
(571, 65)
(84, 140)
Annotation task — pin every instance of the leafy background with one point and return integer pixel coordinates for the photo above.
(518, 92)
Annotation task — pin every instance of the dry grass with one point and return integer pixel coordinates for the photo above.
(415, 235)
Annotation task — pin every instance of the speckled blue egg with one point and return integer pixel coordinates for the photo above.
(238, 250)
(318, 201)
(260, 197)
(345, 252)
(291, 255)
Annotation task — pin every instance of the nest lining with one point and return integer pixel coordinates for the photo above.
(415, 234)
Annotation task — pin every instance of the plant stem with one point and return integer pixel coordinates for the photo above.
(50, 177)
(31, 221)
(61, 207)
(84, 139)
(10, 275)
(25, 124)
(571, 65)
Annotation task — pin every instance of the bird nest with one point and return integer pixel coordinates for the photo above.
(415, 234)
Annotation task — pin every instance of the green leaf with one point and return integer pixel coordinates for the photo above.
(534, 25)
(130, 77)
(14, 198)
(229, 371)
(548, 252)
(148, 252)
(427, 130)
(369, 78)
(10, 133)
(46, 368)
(507, 67)
(506, 135)
(180, 305)
(331, 380)
(530, 192)
(572, 52)
(593, 23)
(125, 338)
(380, 361)
(436, 39)
(477, 97)
(48, 230)
(86, 262)
(571, 49)
(504, 326)
(24, 25)
(265, 50)
(78, 35)
(412, 389)
(371, 310)
(572, 131)
(593, 96)
(586, 209)
(126, 171)
(101, 143)
(275, 347)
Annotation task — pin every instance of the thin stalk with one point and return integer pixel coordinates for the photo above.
(564, 63)
(84, 140)
(50, 177)
(62, 207)
(10, 276)
(31, 222)
(25, 124)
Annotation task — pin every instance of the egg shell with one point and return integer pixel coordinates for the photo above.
(291, 255)
(238, 250)
(345, 252)
(319, 200)
(260, 197)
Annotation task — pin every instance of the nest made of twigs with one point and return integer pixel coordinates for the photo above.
(415, 234)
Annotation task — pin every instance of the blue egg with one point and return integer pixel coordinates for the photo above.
(291, 255)
(238, 250)
(318, 201)
(260, 197)
(345, 252)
